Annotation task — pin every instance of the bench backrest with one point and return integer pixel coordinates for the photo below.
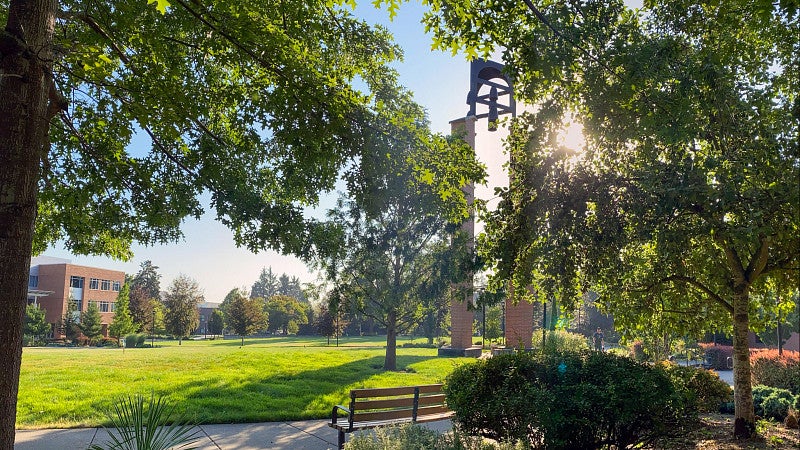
(411, 402)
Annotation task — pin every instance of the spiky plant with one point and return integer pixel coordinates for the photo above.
(139, 426)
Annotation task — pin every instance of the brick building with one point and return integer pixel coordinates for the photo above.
(54, 281)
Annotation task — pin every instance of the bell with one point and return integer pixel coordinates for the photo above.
(493, 115)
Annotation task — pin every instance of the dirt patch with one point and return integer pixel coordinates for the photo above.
(715, 432)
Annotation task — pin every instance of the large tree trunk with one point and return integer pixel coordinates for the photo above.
(744, 424)
(25, 111)
(390, 363)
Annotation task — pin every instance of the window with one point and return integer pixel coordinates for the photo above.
(116, 286)
(105, 285)
(94, 283)
(104, 306)
(33, 281)
(78, 305)
(76, 282)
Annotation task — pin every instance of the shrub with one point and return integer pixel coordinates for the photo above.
(570, 400)
(780, 371)
(560, 341)
(415, 437)
(776, 407)
(761, 394)
(140, 338)
(717, 355)
(130, 340)
(702, 390)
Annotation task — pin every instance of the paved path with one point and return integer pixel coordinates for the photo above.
(300, 435)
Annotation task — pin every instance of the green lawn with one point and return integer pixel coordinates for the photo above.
(214, 381)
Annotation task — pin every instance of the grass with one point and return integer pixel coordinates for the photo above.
(217, 381)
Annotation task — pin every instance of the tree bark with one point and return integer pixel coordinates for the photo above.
(744, 422)
(390, 362)
(26, 106)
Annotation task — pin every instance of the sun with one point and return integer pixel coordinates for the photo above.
(571, 136)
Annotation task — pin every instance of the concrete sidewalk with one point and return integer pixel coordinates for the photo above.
(299, 435)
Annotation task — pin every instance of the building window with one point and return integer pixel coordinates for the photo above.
(33, 281)
(116, 286)
(78, 305)
(76, 282)
(103, 306)
(94, 283)
(105, 285)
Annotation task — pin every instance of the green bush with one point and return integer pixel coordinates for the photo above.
(702, 390)
(560, 341)
(761, 395)
(570, 401)
(776, 407)
(140, 338)
(130, 340)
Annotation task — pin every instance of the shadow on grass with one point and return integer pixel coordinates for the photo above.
(305, 395)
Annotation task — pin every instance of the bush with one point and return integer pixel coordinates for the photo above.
(560, 341)
(780, 371)
(765, 407)
(415, 437)
(130, 340)
(717, 355)
(776, 407)
(702, 390)
(140, 338)
(570, 400)
(418, 345)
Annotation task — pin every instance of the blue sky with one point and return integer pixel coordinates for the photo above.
(440, 83)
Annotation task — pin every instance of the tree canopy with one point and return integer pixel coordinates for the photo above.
(181, 316)
(685, 198)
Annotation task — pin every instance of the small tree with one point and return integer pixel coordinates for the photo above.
(123, 321)
(286, 313)
(328, 324)
(216, 322)
(181, 316)
(91, 323)
(69, 322)
(35, 324)
(245, 315)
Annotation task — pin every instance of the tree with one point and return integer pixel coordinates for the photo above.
(216, 322)
(69, 322)
(91, 324)
(395, 259)
(36, 324)
(123, 322)
(285, 313)
(244, 315)
(148, 280)
(266, 286)
(684, 200)
(181, 316)
(140, 306)
(227, 94)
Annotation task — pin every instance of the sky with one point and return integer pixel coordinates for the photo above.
(207, 253)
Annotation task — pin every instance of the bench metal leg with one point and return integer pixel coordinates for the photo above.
(341, 439)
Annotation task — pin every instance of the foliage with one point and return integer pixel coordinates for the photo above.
(494, 318)
(395, 262)
(761, 393)
(702, 390)
(137, 425)
(35, 326)
(68, 325)
(148, 280)
(245, 315)
(563, 400)
(140, 339)
(772, 369)
(91, 324)
(776, 407)
(285, 313)
(141, 307)
(718, 355)
(329, 323)
(412, 436)
(266, 286)
(216, 322)
(181, 316)
(123, 321)
(131, 340)
(683, 200)
(560, 341)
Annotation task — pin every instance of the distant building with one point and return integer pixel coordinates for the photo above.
(53, 282)
(206, 310)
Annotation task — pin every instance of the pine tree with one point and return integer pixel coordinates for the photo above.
(123, 321)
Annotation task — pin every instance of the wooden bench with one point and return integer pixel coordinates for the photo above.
(370, 408)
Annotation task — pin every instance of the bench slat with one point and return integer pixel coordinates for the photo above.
(431, 410)
(394, 391)
(383, 415)
(366, 405)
